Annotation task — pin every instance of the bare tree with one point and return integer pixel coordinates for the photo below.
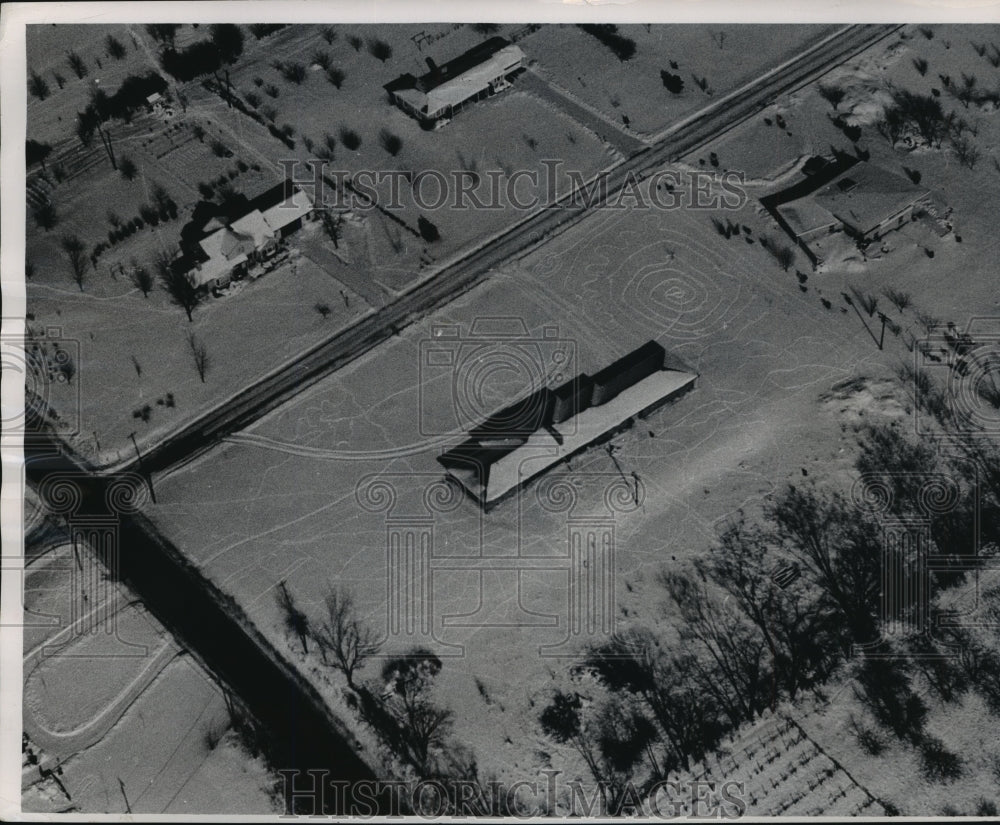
(199, 352)
(320, 58)
(390, 142)
(36, 152)
(333, 224)
(564, 721)
(294, 72)
(114, 47)
(74, 249)
(350, 139)
(128, 168)
(422, 725)
(176, 284)
(343, 635)
(336, 76)
(731, 663)
(899, 299)
(966, 151)
(837, 549)
(163, 33)
(45, 216)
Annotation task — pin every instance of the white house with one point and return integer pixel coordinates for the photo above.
(232, 249)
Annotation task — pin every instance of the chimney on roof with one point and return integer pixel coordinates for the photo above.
(432, 66)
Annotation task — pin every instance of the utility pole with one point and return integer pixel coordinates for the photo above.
(881, 337)
(149, 476)
(106, 140)
(611, 454)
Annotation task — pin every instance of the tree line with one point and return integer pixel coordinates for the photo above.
(778, 608)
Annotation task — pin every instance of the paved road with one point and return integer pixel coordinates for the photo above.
(302, 729)
(459, 276)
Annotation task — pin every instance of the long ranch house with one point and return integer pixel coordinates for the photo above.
(434, 98)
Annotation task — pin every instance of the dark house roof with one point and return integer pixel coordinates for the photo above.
(276, 194)
(510, 428)
(628, 370)
(572, 397)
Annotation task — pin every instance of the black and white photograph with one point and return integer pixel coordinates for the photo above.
(589, 414)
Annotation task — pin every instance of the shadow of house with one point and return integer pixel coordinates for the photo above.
(846, 195)
(481, 72)
(525, 439)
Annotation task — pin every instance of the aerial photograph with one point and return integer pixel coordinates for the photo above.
(515, 420)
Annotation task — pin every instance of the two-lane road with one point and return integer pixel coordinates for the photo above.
(460, 275)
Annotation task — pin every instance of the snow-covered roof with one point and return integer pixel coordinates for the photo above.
(470, 82)
(866, 195)
(255, 226)
(491, 471)
(289, 210)
(230, 245)
(217, 267)
(805, 215)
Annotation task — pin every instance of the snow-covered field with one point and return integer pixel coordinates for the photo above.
(117, 716)
(313, 494)
(723, 56)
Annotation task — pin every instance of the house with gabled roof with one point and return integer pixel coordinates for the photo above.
(847, 195)
(527, 438)
(223, 242)
(481, 72)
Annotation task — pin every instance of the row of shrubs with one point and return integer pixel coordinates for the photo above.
(149, 214)
(282, 133)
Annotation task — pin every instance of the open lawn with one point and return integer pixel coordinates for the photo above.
(319, 492)
(768, 350)
(721, 57)
(140, 354)
(765, 352)
(109, 697)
